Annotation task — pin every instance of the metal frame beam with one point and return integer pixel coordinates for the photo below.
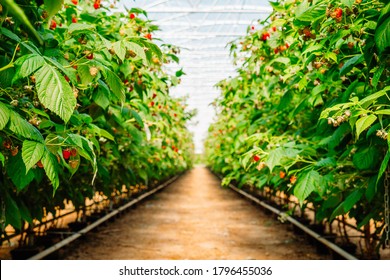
(222, 10)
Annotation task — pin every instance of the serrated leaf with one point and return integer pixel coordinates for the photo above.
(32, 152)
(364, 123)
(85, 76)
(19, 14)
(7, 74)
(119, 49)
(383, 167)
(2, 159)
(50, 165)
(377, 75)
(28, 64)
(137, 49)
(307, 183)
(366, 158)
(23, 128)
(102, 96)
(137, 117)
(348, 203)
(70, 72)
(115, 84)
(313, 48)
(54, 92)
(4, 116)
(8, 33)
(16, 170)
(283, 60)
(371, 188)
(274, 158)
(12, 215)
(326, 162)
(104, 133)
(80, 27)
(348, 3)
(53, 6)
(332, 56)
(31, 47)
(25, 212)
(350, 63)
(372, 97)
(382, 35)
(382, 112)
(311, 13)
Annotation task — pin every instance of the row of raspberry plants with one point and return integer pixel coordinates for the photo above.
(84, 106)
(308, 113)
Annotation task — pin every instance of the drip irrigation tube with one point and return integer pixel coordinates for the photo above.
(115, 212)
(308, 231)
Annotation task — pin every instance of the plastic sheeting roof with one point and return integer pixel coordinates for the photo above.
(202, 29)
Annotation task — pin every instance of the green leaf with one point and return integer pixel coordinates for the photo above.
(50, 164)
(100, 132)
(350, 63)
(307, 183)
(348, 203)
(371, 188)
(332, 56)
(137, 49)
(85, 76)
(19, 14)
(4, 116)
(53, 6)
(24, 212)
(348, 3)
(32, 152)
(383, 167)
(364, 123)
(28, 64)
(54, 92)
(313, 48)
(137, 117)
(12, 213)
(283, 60)
(7, 74)
(8, 33)
(80, 28)
(366, 158)
(101, 96)
(23, 128)
(274, 158)
(310, 14)
(382, 112)
(119, 49)
(377, 75)
(115, 84)
(326, 162)
(372, 97)
(16, 170)
(2, 159)
(382, 35)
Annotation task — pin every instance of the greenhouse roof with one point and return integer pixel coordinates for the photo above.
(202, 29)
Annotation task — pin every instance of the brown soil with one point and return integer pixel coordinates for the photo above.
(194, 218)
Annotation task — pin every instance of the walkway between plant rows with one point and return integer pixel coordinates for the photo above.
(194, 218)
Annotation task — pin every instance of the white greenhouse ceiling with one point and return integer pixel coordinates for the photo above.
(202, 29)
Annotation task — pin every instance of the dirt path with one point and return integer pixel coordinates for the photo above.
(194, 218)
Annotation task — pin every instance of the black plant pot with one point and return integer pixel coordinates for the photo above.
(77, 226)
(296, 229)
(348, 247)
(317, 228)
(93, 218)
(23, 253)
